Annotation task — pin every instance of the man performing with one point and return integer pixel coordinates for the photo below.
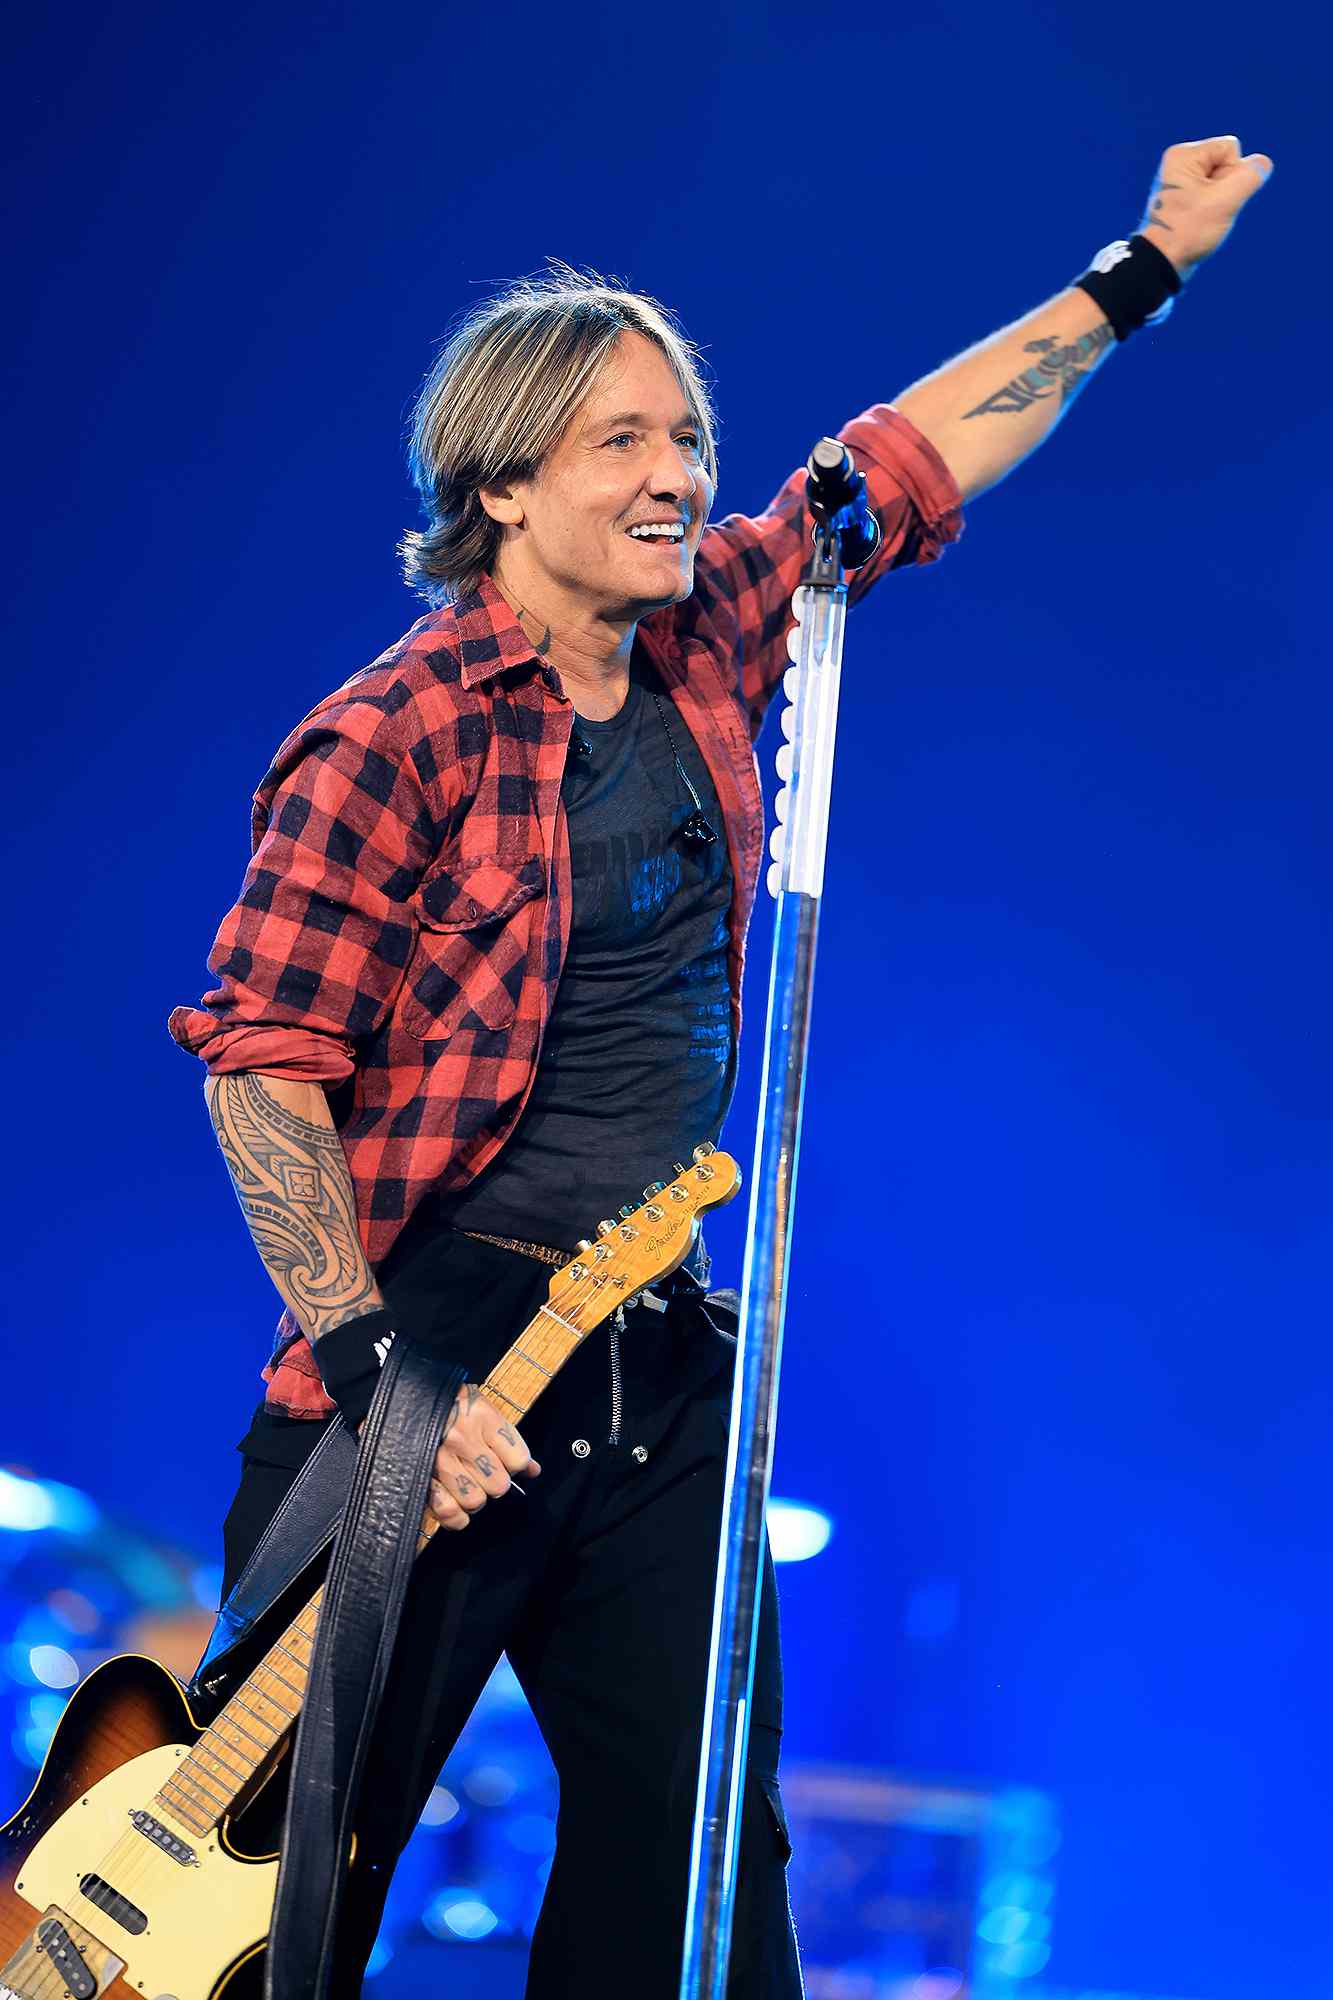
(482, 985)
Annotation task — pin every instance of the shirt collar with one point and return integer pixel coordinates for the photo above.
(490, 639)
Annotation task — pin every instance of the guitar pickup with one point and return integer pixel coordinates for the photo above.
(162, 1836)
(68, 1960)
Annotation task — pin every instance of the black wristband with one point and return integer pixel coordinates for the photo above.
(349, 1358)
(1133, 282)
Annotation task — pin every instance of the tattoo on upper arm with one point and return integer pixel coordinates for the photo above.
(1064, 366)
(292, 1182)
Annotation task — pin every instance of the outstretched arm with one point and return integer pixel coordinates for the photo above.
(986, 410)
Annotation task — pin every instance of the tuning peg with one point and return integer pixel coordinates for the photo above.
(678, 1166)
(703, 1149)
(584, 1243)
(627, 1210)
(653, 1188)
(605, 1227)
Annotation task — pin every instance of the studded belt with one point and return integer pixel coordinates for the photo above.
(543, 1252)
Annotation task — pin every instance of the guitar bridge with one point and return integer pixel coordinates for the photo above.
(68, 1960)
(58, 1944)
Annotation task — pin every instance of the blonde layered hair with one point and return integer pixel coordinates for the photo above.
(508, 381)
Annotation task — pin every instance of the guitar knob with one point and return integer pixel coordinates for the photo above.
(604, 1227)
(653, 1188)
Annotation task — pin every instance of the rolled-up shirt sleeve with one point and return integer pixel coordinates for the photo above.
(311, 956)
(749, 566)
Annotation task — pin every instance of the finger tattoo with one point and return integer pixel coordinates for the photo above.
(483, 1465)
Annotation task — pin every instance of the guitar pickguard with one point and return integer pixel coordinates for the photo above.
(176, 1907)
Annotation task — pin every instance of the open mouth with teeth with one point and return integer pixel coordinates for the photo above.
(672, 534)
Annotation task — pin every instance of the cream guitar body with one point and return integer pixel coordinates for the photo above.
(94, 1901)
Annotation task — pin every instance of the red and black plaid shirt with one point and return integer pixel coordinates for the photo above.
(405, 916)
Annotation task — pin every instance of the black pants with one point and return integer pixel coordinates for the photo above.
(598, 1584)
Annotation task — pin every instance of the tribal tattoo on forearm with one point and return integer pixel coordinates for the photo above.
(295, 1192)
(1064, 366)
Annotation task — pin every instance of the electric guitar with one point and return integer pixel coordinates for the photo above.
(124, 1872)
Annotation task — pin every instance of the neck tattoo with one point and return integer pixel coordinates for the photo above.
(541, 647)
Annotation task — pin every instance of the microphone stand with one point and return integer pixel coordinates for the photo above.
(845, 535)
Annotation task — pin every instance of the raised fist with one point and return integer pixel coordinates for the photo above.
(1199, 191)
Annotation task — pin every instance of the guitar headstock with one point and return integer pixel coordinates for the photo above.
(644, 1243)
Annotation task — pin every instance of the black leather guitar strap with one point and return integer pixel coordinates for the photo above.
(363, 1600)
(302, 1528)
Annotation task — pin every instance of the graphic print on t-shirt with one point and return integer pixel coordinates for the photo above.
(637, 1063)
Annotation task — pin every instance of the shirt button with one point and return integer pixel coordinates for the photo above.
(580, 1447)
(640, 1454)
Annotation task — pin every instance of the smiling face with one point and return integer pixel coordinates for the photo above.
(609, 526)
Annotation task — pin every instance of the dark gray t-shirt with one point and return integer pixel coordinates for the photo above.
(637, 1065)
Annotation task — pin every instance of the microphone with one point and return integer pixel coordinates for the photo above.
(832, 481)
(836, 493)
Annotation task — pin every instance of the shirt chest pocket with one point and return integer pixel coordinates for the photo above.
(471, 953)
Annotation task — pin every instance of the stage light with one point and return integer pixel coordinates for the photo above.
(457, 1913)
(1009, 1924)
(74, 1611)
(795, 1532)
(440, 1808)
(32, 1504)
(944, 1982)
(52, 1666)
(24, 1503)
(490, 1785)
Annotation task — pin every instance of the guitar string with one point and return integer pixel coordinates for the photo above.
(130, 1860)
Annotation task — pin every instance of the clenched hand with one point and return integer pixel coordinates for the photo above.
(1199, 191)
(479, 1452)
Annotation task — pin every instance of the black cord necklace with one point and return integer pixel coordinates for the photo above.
(696, 830)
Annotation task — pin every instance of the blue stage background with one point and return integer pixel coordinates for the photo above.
(1057, 1357)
